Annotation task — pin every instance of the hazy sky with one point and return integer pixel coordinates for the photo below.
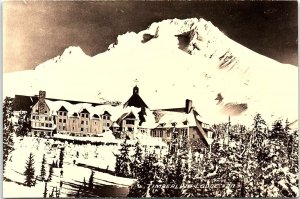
(37, 31)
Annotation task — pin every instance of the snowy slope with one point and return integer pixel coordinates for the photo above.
(173, 60)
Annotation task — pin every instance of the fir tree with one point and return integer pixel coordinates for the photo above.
(258, 128)
(278, 129)
(61, 158)
(84, 182)
(123, 161)
(145, 177)
(137, 160)
(43, 169)
(23, 124)
(91, 180)
(50, 173)
(45, 191)
(29, 172)
(7, 129)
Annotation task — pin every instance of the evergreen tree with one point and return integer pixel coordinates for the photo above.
(137, 160)
(43, 169)
(61, 158)
(29, 171)
(50, 173)
(258, 129)
(278, 129)
(84, 182)
(123, 161)
(145, 177)
(23, 124)
(45, 191)
(91, 180)
(287, 126)
(8, 129)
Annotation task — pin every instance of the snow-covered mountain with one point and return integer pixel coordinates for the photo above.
(173, 60)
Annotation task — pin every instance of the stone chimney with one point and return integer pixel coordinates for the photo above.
(188, 105)
(42, 96)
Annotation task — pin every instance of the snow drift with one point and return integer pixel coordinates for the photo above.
(173, 60)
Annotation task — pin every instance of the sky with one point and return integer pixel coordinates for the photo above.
(36, 31)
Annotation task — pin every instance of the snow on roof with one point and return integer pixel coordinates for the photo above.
(115, 125)
(179, 118)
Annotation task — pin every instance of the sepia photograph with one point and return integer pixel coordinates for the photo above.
(150, 99)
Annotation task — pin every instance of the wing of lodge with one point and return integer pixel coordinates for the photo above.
(53, 116)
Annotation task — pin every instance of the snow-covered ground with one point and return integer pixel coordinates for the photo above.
(88, 157)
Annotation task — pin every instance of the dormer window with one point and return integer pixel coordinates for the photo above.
(65, 113)
(162, 124)
(185, 122)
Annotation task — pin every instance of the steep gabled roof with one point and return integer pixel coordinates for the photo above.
(75, 114)
(96, 116)
(85, 111)
(106, 113)
(136, 101)
(62, 108)
(24, 102)
(130, 116)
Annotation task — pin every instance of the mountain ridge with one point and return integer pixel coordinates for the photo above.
(202, 62)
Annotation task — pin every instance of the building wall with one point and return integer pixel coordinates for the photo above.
(73, 124)
(84, 123)
(129, 125)
(96, 126)
(62, 121)
(42, 123)
(105, 123)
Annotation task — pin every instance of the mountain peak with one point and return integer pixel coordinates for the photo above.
(73, 51)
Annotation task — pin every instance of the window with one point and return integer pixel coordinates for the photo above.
(161, 133)
(108, 118)
(65, 113)
(65, 121)
(87, 115)
(82, 114)
(46, 118)
(104, 117)
(45, 111)
(95, 122)
(37, 117)
(103, 130)
(73, 128)
(60, 120)
(50, 125)
(86, 122)
(46, 125)
(129, 121)
(82, 122)
(73, 121)
(107, 124)
(36, 110)
(60, 113)
(33, 117)
(87, 129)
(130, 129)
(64, 128)
(81, 129)
(193, 135)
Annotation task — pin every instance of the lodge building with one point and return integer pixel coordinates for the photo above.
(51, 116)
